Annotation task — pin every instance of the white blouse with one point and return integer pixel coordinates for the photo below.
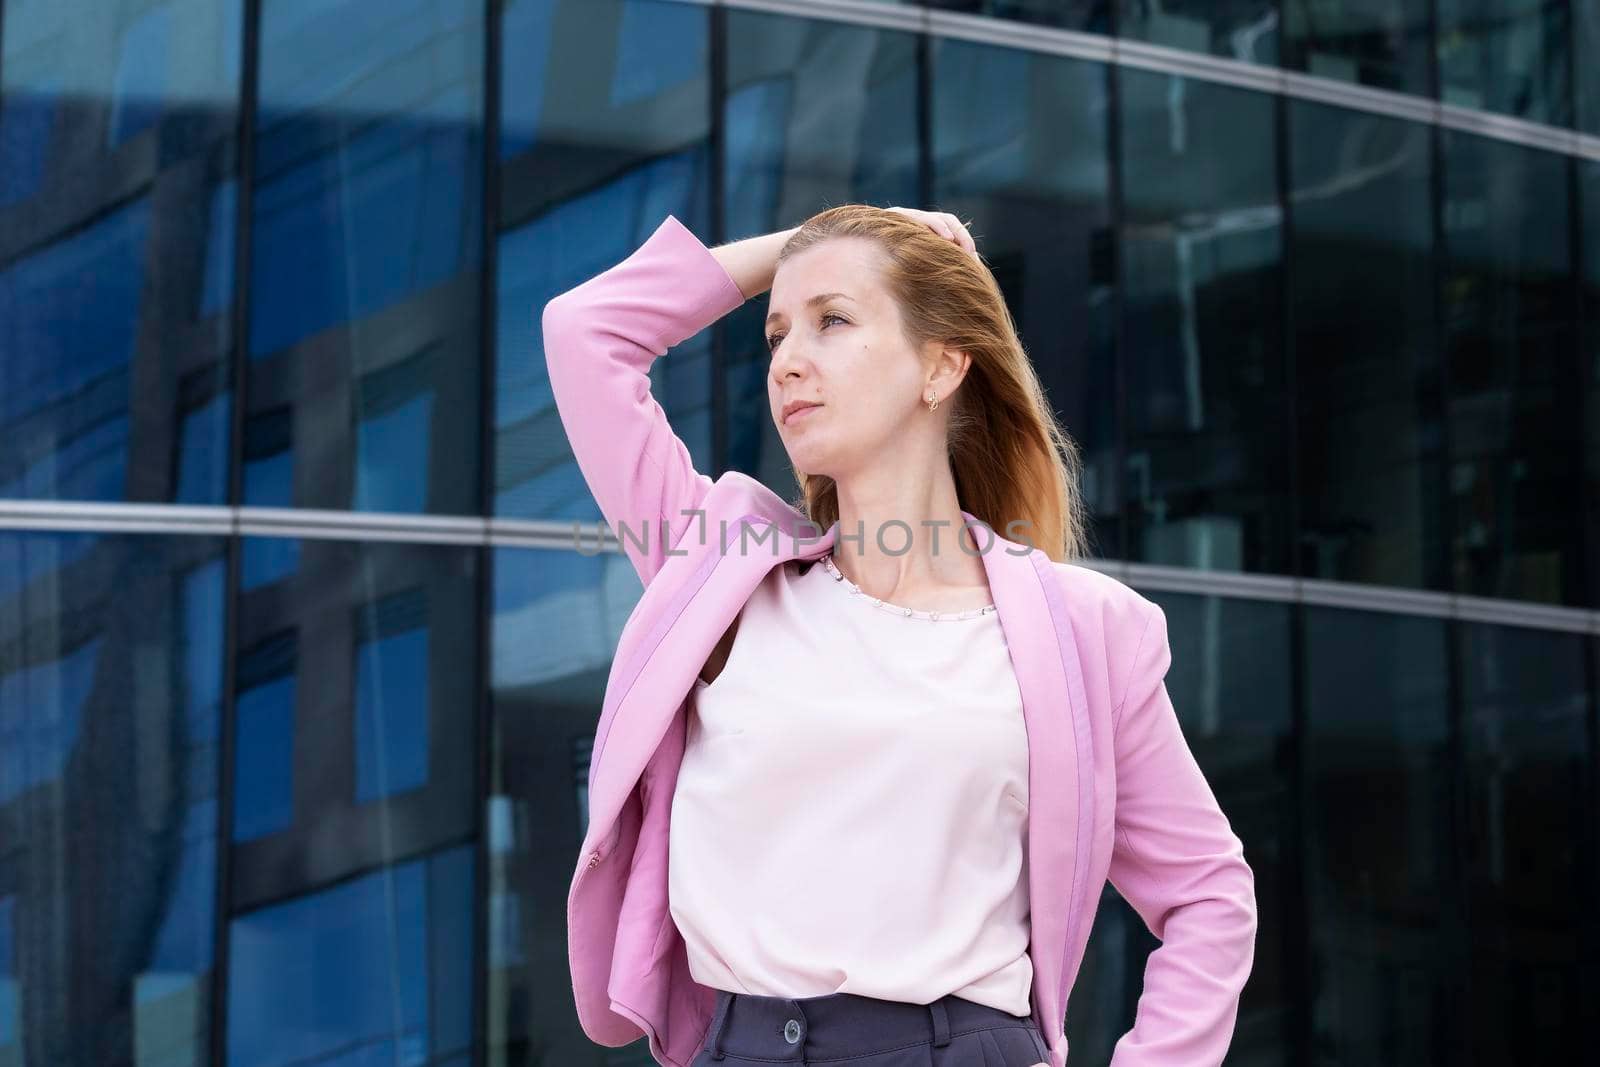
(851, 811)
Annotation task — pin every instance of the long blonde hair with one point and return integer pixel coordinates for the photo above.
(1012, 462)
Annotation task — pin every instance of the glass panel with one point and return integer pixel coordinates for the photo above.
(1381, 887)
(356, 672)
(1368, 376)
(1514, 381)
(1207, 461)
(557, 617)
(1530, 823)
(1088, 16)
(791, 151)
(263, 762)
(140, 82)
(1019, 146)
(366, 251)
(116, 250)
(1587, 46)
(374, 970)
(269, 472)
(1383, 45)
(1507, 56)
(588, 173)
(1589, 211)
(110, 695)
(392, 696)
(1230, 686)
(1245, 30)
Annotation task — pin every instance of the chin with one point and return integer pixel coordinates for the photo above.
(807, 456)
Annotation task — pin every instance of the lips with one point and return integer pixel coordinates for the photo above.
(797, 411)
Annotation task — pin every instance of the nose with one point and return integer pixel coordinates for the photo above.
(787, 362)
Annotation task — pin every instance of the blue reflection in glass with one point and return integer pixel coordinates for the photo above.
(392, 701)
(25, 556)
(1586, 45)
(392, 451)
(27, 115)
(1244, 30)
(10, 993)
(658, 46)
(131, 919)
(202, 650)
(203, 452)
(531, 587)
(759, 117)
(536, 586)
(52, 348)
(995, 142)
(41, 712)
(538, 477)
(377, 970)
(1507, 56)
(1382, 45)
(182, 951)
(525, 51)
(268, 483)
(263, 785)
(359, 207)
(89, 465)
(216, 292)
(139, 88)
(265, 560)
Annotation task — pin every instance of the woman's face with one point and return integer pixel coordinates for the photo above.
(835, 341)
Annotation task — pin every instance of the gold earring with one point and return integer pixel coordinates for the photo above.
(933, 402)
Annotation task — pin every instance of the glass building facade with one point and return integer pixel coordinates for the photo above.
(300, 663)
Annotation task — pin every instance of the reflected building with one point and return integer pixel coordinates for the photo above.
(301, 661)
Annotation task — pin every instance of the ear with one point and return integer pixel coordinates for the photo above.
(950, 366)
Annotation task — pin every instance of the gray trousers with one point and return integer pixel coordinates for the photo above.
(845, 1028)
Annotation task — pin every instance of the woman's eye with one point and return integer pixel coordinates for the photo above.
(774, 338)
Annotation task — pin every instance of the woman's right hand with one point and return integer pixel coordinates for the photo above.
(942, 223)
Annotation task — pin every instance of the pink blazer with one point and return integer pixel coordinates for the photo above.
(1114, 790)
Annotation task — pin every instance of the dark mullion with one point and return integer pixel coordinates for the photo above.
(244, 177)
(1434, 77)
(1456, 903)
(1297, 934)
(1589, 849)
(924, 120)
(487, 371)
(1587, 580)
(716, 150)
(1117, 214)
(1457, 932)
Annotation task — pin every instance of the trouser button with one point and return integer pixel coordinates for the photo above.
(791, 1031)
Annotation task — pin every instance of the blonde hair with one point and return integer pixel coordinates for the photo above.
(1012, 462)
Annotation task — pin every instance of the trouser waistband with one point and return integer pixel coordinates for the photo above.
(841, 1024)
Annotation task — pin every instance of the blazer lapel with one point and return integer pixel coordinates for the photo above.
(1056, 838)
(645, 692)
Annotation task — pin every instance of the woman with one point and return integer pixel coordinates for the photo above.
(853, 796)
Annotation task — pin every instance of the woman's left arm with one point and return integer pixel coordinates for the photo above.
(1178, 863)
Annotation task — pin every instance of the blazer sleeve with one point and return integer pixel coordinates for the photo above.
(1178, 863)
(600, 339)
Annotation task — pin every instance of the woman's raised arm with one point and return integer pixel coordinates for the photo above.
(600, 339)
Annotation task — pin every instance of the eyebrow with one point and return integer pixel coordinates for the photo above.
(820, 298)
